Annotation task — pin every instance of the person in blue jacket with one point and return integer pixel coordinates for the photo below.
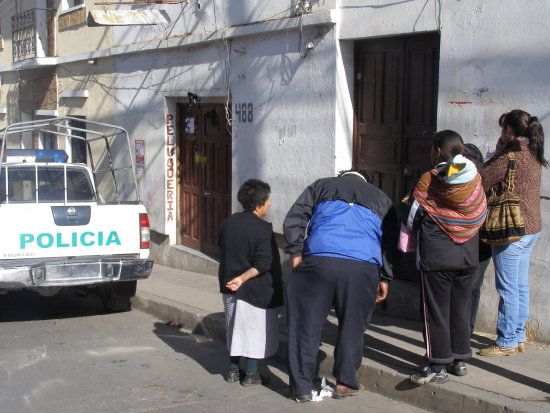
(341, 234)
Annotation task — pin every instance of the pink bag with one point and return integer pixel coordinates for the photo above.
(407, 240)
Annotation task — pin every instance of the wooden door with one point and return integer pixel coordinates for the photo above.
(420, 109)
(395, 109)
(379, 112)
(204, 175)
(395, 115)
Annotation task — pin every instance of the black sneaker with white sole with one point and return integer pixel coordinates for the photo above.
(232, 376)
(427, 375)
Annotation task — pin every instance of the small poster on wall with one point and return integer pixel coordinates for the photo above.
(140, 157)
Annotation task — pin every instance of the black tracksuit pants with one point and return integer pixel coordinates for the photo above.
(315, 285)
(447, 300)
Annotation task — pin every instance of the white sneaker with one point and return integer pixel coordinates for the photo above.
(426, 375)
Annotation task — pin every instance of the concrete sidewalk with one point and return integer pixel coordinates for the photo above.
(393, 349)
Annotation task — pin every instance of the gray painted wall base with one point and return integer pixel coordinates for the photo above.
(178, 256)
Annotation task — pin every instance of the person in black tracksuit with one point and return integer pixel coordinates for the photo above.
(444, 263)
(341, 235)
(447, 265)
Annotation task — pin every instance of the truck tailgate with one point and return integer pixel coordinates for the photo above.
(30, 230)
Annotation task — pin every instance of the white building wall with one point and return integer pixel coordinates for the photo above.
(147, 88)
(390, 17)
(289, 143)
(494, 57)
(187, 19)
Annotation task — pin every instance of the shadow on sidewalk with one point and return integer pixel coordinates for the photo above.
(397, 353)
(212, 354)
(400, 352)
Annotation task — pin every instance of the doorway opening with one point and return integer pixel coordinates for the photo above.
(396, 82)
(203, 173)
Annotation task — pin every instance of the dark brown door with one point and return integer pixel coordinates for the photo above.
(395, 115)
(204, 175)
(395, 109)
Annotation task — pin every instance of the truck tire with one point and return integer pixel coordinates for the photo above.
(116, 296)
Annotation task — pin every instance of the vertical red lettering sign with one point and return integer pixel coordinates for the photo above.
(170, 165)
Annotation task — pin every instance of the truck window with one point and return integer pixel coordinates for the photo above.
(51, 184)
(79, 187)
(50, 181)
(21, 184)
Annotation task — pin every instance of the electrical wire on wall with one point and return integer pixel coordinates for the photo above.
(164, 34)
(303, 7)
(227, 60)
(91, 76)
(227, 103)
(438, 15)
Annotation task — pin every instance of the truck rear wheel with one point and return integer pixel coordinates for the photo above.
(116, 296)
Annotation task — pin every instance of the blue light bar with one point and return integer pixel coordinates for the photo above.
(36, 155)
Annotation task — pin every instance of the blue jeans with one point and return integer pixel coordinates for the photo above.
(512, 283)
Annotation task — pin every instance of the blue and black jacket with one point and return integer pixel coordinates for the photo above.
(343, 217)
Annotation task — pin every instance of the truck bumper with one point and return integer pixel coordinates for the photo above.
(65, 273)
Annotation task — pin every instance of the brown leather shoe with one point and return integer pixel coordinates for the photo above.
(522, 346)
(497, 351)
(341, 391)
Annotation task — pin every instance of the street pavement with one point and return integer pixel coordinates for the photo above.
(65, 354)
(393, 348)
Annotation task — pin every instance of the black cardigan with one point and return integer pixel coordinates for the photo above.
(247, 241)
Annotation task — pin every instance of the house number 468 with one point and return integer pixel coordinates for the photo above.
(244, 112)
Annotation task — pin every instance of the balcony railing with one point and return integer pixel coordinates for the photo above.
(30, 31)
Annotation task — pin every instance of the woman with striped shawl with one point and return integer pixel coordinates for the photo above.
(445, 211)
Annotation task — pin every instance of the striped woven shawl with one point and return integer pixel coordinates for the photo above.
(459, 210)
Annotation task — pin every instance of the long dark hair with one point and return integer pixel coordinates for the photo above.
(473, 153)
(525, 125)
(449, 142)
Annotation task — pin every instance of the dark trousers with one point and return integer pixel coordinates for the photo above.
(447, 300)
(315, 285)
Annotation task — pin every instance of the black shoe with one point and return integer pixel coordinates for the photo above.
(299, 398)
(457, 367)
(302, 398)
(232, 376)
(427, 375)
(254, 378)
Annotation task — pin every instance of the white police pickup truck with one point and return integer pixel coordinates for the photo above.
(66, 224)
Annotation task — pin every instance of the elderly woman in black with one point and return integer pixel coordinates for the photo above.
(251, 283)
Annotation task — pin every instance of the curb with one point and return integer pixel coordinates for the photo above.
(199, 321)
(389, 381)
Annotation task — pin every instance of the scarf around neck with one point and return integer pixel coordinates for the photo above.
(452, 195)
